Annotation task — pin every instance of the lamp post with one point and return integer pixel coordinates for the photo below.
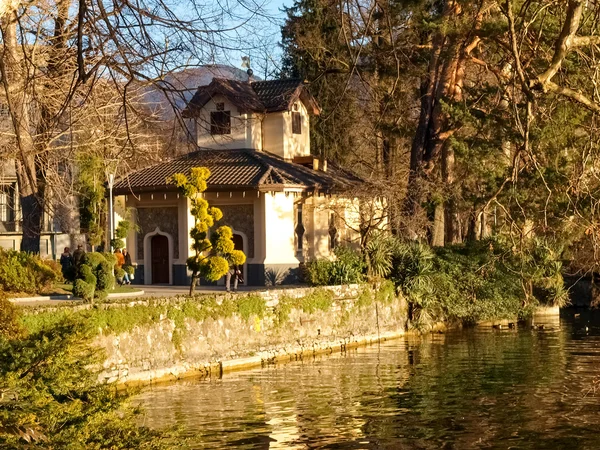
(111, 216)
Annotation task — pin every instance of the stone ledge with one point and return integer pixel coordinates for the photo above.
(184, 370)
(46, 298)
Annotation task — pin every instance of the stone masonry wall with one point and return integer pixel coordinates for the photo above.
(149, 354)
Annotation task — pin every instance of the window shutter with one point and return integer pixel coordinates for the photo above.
(220, 122)
(296, 123)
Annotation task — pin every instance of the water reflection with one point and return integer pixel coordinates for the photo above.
(514, 388)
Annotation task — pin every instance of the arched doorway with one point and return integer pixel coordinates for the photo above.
(159, 259)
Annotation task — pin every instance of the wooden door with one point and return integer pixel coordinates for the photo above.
(159, 252)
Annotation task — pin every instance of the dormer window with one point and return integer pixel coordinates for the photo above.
(220, 121)
(296, 122)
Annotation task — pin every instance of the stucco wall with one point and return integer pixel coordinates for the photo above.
(279, 228)
(245, 128)
(149, 354)
(272, 130)
(296, 144)
(278, 138)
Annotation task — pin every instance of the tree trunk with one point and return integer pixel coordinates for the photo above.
(437, 232)
(193, 282)
(14, 81)
(430, 147)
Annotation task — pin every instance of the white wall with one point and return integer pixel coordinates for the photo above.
(296, 144)
(317, 211)
(278, 138)
(245, 128)
(279, 228)
(272, 129)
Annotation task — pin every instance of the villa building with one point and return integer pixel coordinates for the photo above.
(284, 205)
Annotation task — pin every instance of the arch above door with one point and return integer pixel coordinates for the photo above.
(148, 257)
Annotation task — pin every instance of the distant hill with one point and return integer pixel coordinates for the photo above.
(179, 87)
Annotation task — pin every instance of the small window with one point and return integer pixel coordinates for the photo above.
(6, 202)
(333, 232)
(300, 230)
(296, 123)
(4, 110)
(220, 106)
(220, 122)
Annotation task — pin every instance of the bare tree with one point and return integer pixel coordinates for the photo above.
(57, 55)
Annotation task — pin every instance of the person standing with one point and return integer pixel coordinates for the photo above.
(119, 265)
(66, 264)
(235, 272)
(127, 264)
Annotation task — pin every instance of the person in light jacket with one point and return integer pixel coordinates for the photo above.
(235, 271)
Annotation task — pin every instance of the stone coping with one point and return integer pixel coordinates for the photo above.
(45, 298)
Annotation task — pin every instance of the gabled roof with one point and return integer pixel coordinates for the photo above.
(255, 96)
(241, 169)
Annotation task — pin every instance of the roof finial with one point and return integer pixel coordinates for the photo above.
(246, 64)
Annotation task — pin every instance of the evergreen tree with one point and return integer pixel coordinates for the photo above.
(214, 251)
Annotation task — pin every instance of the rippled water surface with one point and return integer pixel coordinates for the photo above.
(478, 388)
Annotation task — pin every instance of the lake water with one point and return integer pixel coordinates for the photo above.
(478, 388)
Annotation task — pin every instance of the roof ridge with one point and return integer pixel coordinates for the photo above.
(269, 167)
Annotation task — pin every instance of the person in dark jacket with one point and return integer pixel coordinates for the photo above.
(66, 264)
(78, 256)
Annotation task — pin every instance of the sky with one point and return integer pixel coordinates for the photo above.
(264, 61)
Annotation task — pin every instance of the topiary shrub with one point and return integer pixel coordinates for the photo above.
(105, 279)
(84, 290)
(94, 259)
(119, 273)
(87, 275)
(96, 272)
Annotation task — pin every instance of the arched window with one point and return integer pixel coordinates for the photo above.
(333, 232)
(299, 230)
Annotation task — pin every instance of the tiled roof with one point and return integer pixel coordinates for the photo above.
(277, 95)
(235, 170)
(257, 96)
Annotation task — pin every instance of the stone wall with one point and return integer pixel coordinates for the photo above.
(148, 219)
(150, 353)
(240, 218)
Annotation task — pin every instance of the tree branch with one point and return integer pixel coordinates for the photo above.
(564, 41)
(573, 95)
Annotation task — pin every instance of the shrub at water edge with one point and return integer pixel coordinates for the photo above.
(52, 399)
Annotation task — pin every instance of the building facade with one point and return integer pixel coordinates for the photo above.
(284, 205)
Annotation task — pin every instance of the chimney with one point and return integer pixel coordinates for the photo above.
(324, 165)
(315, 165)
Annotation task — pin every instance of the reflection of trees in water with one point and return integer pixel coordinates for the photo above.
(460, 390)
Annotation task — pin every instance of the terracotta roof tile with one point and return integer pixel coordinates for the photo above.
(237, 169)
(257, 96)
(277, 95)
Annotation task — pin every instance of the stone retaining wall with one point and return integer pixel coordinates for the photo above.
(150, 354)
